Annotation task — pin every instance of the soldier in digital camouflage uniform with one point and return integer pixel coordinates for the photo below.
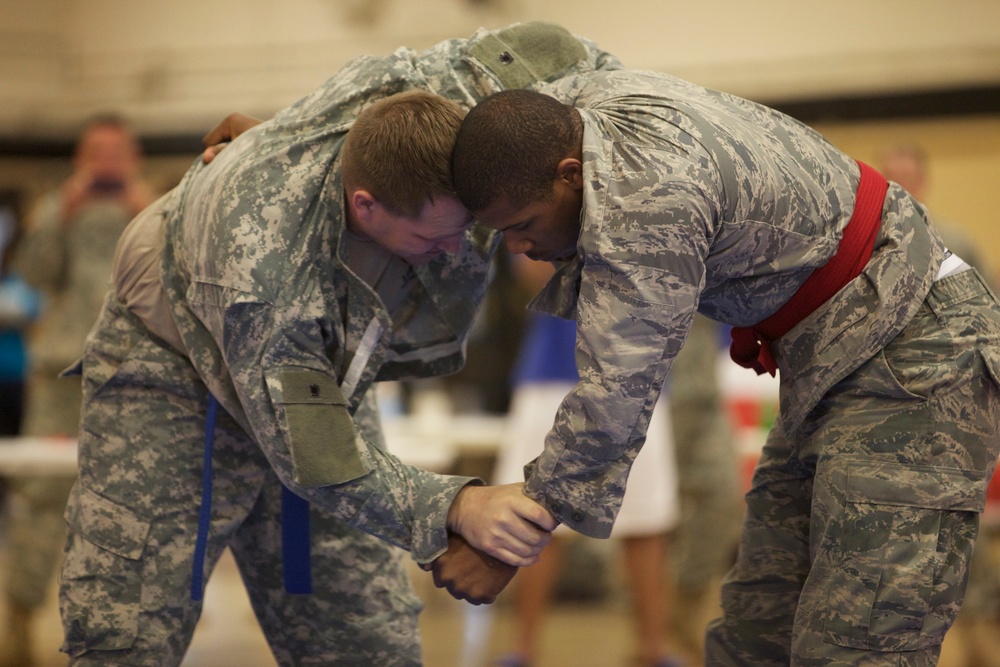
(865, 504)
(265, 309)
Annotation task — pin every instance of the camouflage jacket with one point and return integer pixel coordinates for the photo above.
(71, 265)
(695, 200)
(285, 336)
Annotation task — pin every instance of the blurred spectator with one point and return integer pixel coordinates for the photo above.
(706, 538)
(483, 383)
(66, 253)
(906, 164)
(979, 619)
(544, 373)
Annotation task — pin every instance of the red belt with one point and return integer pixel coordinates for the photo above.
(751, 345)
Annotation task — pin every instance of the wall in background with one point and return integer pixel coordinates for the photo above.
(175, 67)
(179, 67)
(963, 156)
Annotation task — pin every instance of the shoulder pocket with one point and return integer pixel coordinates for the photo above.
(319, 428)
(526, 53)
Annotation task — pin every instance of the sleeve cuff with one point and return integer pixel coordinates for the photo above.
(430, 527)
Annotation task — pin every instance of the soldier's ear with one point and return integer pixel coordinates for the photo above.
(570, 171)
(364, 204)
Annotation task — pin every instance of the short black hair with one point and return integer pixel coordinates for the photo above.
(510, 145)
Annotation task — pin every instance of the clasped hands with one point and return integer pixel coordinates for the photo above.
(493, 531)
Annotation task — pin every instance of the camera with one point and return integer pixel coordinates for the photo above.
(107, 186)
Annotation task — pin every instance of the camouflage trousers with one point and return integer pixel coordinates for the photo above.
(125, 588)
(37, 530)
(859, 530)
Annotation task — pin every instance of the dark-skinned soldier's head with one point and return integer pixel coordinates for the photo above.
(517, 167)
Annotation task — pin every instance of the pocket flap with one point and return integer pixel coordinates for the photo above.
(991, 355)
(321, 436)
(107, 524)
(891, 483)
(304, 385)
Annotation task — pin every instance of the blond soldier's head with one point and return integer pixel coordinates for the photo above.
(396, 167)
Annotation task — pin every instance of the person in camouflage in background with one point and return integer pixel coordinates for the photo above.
(708, 462)
(67, 254)
(254, 307)
(658, 198)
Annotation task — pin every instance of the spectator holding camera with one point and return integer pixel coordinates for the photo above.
(66, 253)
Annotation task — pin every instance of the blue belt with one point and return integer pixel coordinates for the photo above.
(296, 565)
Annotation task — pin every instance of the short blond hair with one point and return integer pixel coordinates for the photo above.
(399, 149)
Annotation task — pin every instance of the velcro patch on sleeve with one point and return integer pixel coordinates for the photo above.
(527, 53)
(321, 435)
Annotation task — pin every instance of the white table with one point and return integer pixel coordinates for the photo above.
(37, 456)
(431, 442)
(434, 442)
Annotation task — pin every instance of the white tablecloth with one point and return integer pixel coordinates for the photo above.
(431, 442)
